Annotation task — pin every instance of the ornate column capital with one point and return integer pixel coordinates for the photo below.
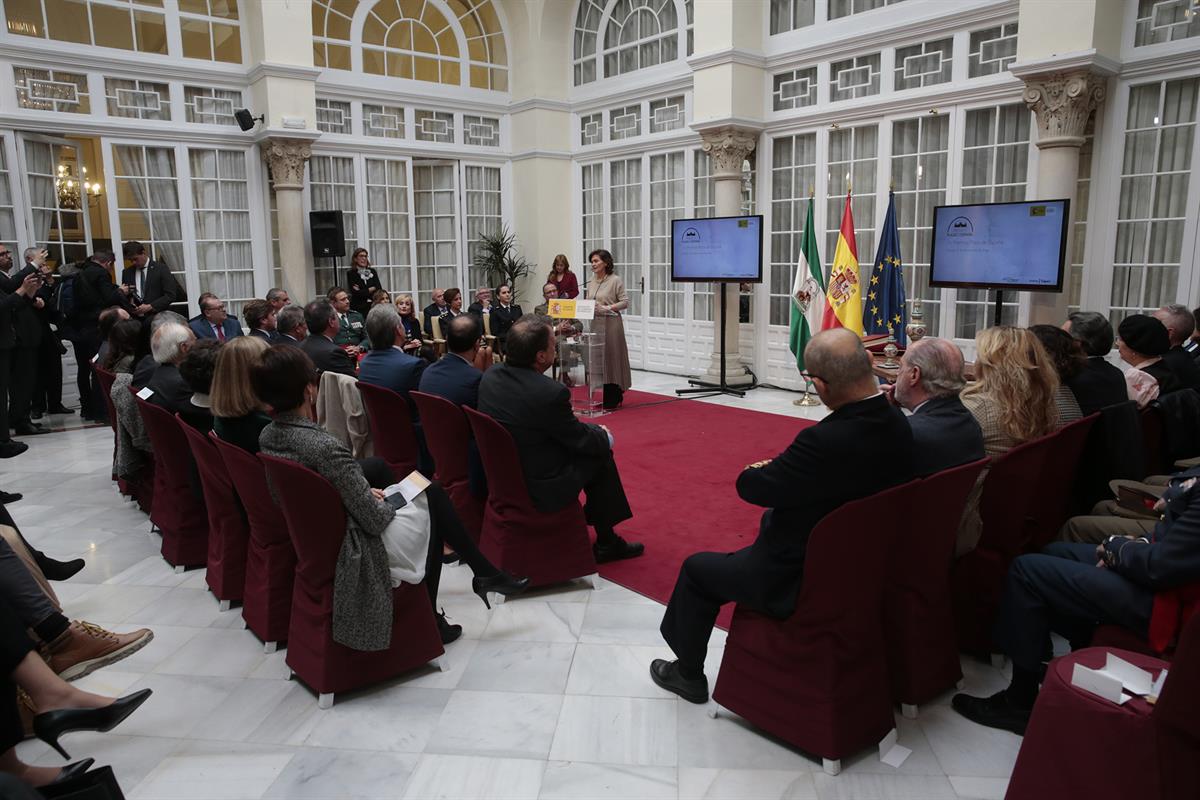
(286, 158)
(728, 147)
(1062, 103)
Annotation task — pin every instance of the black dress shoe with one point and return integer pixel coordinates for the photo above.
(666, 675)
(448, 631)
(50, 725)
(73, 771)
(616, 550)
(29, 429)
(500, 583)
(997, 711)
(10, 449)
(57, 570)
(10, 497)
(62, 410)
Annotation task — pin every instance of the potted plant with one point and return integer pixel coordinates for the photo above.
(496, 256)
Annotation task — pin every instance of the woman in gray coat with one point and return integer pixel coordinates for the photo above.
(379, 543)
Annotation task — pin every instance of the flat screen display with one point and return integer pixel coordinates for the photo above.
(720, 249)
(1018, 246)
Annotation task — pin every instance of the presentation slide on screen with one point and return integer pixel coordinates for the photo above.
(716, 249)
(1016, 244)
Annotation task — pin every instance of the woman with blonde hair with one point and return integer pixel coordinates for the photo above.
(414, 337)
(238, 414)
(1012, 399)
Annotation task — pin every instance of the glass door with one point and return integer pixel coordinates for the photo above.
(56, 189)
(435, 214)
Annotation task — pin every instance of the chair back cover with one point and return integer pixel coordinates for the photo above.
(392, 431)
(448, 436)
(105, 379)
(1051, 507)
(228, 530)
(177, 511)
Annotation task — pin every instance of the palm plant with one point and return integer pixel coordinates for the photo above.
(496, 256)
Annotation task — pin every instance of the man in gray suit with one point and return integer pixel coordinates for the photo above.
(945, 433)
(290, 326)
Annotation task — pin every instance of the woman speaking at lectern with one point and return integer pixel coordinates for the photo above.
(608, 290)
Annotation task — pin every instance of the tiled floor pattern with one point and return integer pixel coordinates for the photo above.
(546, 696)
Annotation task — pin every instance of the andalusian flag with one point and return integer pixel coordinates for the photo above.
(844, 294)
(808, 292)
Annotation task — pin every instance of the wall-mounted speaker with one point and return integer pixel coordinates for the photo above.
(328, 233)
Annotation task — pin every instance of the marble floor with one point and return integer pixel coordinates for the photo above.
(547, 696)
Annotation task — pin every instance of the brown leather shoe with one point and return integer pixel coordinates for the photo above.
(84, 648)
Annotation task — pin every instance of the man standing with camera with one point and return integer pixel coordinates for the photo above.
(27, 333)
(148, 285)
(10, 304)
(47, 384)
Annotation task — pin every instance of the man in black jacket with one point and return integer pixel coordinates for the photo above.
(322, 322)
(1180, 325)
(560, 456)
(1099, 384)
(822, 469)
(93, 292)
(151, 282)
(9, 304)
(1071, 588)
(945, 433)
(47, 384)
(28, 331)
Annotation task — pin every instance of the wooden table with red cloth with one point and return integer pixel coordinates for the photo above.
(1081, 745)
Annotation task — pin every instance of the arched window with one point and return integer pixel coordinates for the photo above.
(455, 42)
(636, 34)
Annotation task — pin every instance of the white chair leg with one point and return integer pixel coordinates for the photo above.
(291, 675)
(832, 766)
(909, 710)
(713, 710)
(594, 580)
(225, 605)
(180, 568)
(325, 700)
(270, 647)
(998, 660)
(442, 663)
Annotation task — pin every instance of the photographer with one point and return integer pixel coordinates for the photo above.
(27, 330)
(10, 304)
(47, 386)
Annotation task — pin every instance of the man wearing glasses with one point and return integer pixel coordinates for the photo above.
(214, 323)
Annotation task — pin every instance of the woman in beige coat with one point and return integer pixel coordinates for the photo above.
(608, 290)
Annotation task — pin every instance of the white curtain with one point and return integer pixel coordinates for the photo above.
(40, 170)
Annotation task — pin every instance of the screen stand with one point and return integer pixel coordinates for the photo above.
(722, 387)
(999, 308)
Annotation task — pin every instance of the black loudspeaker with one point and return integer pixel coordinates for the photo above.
(328, 233)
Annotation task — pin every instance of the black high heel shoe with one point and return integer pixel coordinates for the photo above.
(50, 725)
(72, 771)
(500, 583)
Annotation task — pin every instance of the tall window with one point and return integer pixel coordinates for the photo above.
(1166, 21)
(666, 203)
(637, 34)
(788, 15)
(1080, 212)
(995, 159)
(148, 202)
(1159, 130)
(209, 30)
(920, 150)
(221, 208)
(852, 167)
(387, 222)
(331, 187)
(625, 214)
(415, 40)
(437, 239)
(793, 179)
(56, 226)
(8, 216)
(593, 209)
(481, 213)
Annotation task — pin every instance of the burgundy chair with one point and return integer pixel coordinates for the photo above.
(391, 428)
(548, 547)
(918, 619)
(316, 522)
(177, 511)
(1051, 507)
(448, 436)
(1070, 728)
(1153, 448)
(106, 379)
(819, 679)
(228, 531)
(270, 557)
(977, 578)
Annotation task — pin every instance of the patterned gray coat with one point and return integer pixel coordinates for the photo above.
(362, 588)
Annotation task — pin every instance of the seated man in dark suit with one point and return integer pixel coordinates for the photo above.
(290, 326)
(386, 364)
(434, 310)
(214, 323)
(1180, 325)
(945, 433)
(1071, 588)
(560, 456)
(322, 324)
(169, 346)
(1099, 384)
(821, 469)
(454, 376)
(260, 320)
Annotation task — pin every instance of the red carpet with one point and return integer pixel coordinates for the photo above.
(679, 461)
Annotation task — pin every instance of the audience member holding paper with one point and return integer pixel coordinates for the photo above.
(387, 542)
(1071, 588)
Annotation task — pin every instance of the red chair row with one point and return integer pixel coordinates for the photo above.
(872, 625)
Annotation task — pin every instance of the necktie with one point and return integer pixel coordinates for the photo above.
(220, 332)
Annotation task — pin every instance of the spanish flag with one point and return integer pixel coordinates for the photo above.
(843, 293)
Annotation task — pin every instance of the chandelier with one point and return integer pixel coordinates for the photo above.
(68, 188)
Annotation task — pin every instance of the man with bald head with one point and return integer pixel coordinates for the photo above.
(861, 448)
(945, 433)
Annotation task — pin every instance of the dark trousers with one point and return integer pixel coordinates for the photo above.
(1062, 590)
(14, 646)
(5, 369)
(605, 504)
(22, 375)
(706, 582)
(86, 344)
(47, 389)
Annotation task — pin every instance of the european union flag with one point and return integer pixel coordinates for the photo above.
(885, 311)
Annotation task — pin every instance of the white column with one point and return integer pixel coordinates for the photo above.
(728, 147)
(1062, 103)
(286, 158)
